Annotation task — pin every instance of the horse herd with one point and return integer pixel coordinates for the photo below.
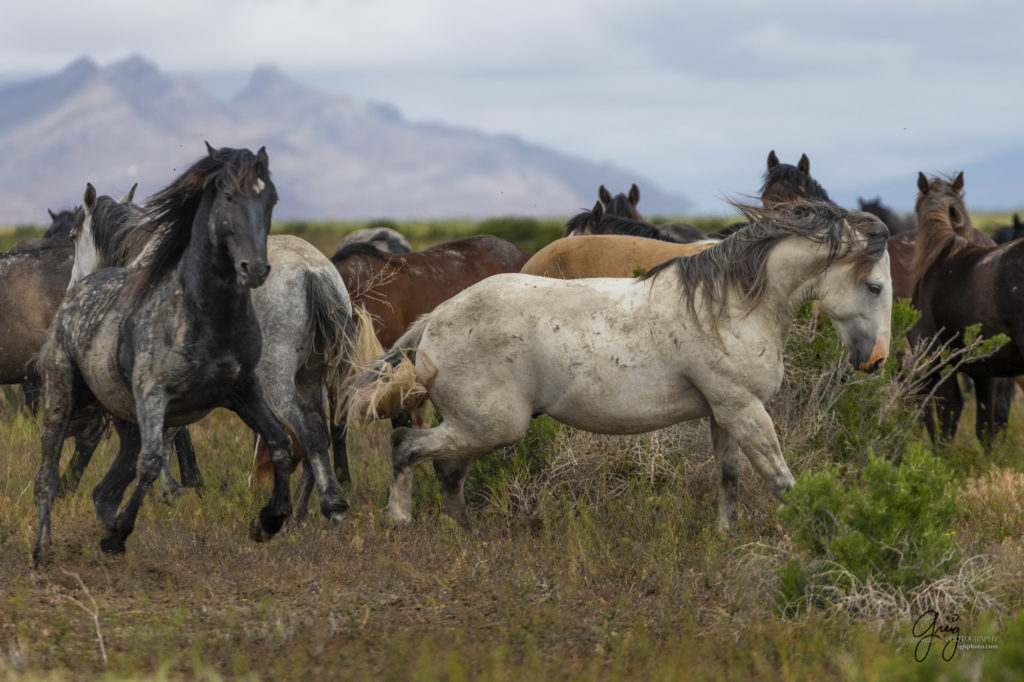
(148, 318)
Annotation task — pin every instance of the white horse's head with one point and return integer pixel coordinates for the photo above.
(87, 255)
(858, 300)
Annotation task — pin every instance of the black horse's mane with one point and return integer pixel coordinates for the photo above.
(170, 212)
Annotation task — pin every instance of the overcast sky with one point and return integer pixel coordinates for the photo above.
(691, 95)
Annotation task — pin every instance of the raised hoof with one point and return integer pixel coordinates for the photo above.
(170, 495)
(112, 545)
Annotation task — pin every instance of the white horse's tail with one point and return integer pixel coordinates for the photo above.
(391, 384)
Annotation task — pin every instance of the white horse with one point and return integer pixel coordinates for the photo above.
(700, 336)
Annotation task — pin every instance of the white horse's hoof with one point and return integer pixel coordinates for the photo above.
(397, 517)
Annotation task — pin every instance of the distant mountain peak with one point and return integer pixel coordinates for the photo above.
(267, 81)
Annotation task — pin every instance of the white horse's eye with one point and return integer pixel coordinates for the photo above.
(876, 289)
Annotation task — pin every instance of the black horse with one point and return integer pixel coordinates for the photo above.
(162, 345)
(624, 206)
(897, 224)
(1007, 233)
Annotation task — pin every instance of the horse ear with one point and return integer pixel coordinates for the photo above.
(804, 165)
(603, 194)
(634, 195)
(127, 198)
(598, 211)
(922, 182)
(90, 196)
(773, 160)
(53, 216)
(958, 182)
(1016, 221)
(209, 150)
(261, 155)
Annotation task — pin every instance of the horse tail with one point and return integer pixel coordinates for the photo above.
(332, 330)
(391, 384)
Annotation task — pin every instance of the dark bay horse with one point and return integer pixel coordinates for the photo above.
(162, 345)
(959, 283)
(1008, 233)
(624, 206)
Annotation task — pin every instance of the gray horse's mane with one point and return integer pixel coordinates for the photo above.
(740, 260)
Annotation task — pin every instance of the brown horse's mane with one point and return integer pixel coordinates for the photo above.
(169, 213)
(943, 224)
(740, 260)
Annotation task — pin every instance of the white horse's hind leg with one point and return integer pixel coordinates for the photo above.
(727, 454)
(754, 432)
(449, 442)
(452, 475)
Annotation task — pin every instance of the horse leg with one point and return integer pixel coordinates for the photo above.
(155, 443)
(248, 403)
(188, 466)
(450, 441)
(452, 476)
(108, 493)
(170, 489)
(987, 396)
(749, 425)
(87, 439)
(339, 446)
(727, 453)
(58, 399)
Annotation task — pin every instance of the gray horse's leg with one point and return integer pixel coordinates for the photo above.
(58, 399)
(188, 467)
(170, 489)
(88, 435)
(727, 454)
(749, 425)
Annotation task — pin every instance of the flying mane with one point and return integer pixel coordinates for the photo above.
(740, 260)
(171, 211)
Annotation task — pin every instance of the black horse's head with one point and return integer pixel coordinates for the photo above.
(243, 199)
(785, 182)
(621, 204)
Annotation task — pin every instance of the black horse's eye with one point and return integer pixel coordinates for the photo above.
(874, 288)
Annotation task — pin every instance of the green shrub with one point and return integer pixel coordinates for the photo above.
(891, 526)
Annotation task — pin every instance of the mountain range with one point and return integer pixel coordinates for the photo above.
(330, 156)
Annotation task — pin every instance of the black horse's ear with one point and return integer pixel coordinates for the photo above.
(127, 198)
(958, 182)
(598, 210)
(922, 182)
(210, 150)
(53, 216)
(804, 165)
(634, 195)
(1016, 221)
(90, 196)
(773, 160)
(603, 194)
(261, 155)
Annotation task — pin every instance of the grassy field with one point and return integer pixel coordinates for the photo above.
(588, 557)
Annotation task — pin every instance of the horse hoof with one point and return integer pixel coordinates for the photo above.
(112, 545)
(397, 517)
(256, 532)
(337, 518)
(171, 495)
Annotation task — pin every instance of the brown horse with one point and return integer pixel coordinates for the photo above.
(606, 255)
(396, 288)
(957, 283)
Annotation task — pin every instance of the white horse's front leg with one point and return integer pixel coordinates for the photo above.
(727, 454)
(751, 427)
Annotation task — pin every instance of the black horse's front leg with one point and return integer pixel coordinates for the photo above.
(248, 403)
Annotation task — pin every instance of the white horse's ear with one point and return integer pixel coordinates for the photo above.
(209, 150)
(127, 198)
(89, 198)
